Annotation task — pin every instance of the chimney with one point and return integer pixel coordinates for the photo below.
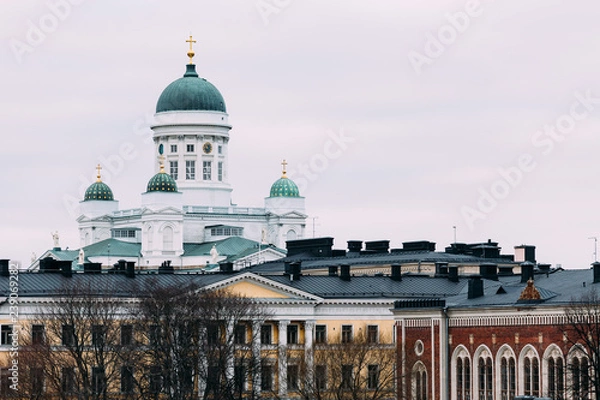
(505, 270)
(295, 271)
(378, 246)
(475, 287)
(166, 268)
(396, 272)
(121, 265)
(596, 269)
(226, 267)
(489, 271)
(130, 269)
(92, 268)
(526, 271)
(345, 272)
(66, 268)
(354, 246)
(524, 253)
(453, 273)
(4, 267)
(333, 270)
(286, 267)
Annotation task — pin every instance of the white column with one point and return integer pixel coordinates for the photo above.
(282, 362)
(231, 356)
(256, 359)
(308, 350)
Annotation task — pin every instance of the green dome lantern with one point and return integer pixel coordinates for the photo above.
(98, 190)
(284, 186)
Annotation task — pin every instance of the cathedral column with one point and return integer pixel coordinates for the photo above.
(231, 356)
(282, 362)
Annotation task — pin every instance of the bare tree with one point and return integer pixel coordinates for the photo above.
(582, 336)
(72, 349)
(360, 368)
(198, 344)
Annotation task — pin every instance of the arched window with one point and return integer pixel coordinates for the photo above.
(419, 376)
(556, 380)
(291, 235)
(485, 375)
(507, 378)
(463, 378)
(167, 238)
(531, 371)
(580, 379)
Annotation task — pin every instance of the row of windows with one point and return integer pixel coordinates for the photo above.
(226, 231)
(123, 233)
(190, 148)
(190, 170)
(98, 334)
(579, 375)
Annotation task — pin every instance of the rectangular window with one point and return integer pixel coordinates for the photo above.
(156, 382)
(372, 334)
(67, 379)
(220, 171)
(206, 170)
(173, 148)
(174, 169)
(98, 380)
(292, 334)
(190, 170)
(37, 381)
(239, 378)
(240, 334)
(212, 333)
(126, 335)
(190, 148)
(68, 335)
(6, 334)
(372, 376)
(220, 149)
(346, 333)
(266, 377)
(265, 334)
(321, 377)
(347, 377)
(321, 334)
(98, 335)
(126, 379)
(38, 335)
(292, 377)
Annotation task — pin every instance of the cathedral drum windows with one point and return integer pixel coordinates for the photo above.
(174, 169)
(206, 170)
(190, 170)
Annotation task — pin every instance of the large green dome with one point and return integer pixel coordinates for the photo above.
(98, 191)
(161, 182)
(284, 187)
(190, 93)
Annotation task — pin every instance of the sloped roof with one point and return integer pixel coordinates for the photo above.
(114, 248)
(233, 248)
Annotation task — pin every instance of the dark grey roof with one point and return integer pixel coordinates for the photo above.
(309, 262)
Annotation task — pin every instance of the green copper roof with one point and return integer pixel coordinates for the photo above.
(161, 182)
(190, 93)
(98, 191)
(284, 187)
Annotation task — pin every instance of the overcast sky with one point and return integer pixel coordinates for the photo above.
(399, 119)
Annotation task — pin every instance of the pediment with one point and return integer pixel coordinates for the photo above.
(258, 287)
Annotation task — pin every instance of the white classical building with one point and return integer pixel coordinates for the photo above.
(188, 200)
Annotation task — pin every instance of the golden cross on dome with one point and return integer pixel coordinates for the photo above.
(190, 52)
(284, 165)
(98, 168)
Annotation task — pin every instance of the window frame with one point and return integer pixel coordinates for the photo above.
(347, 334)
(320, 334)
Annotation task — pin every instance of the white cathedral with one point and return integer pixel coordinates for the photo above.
(186, 215)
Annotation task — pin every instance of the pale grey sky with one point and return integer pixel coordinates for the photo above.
(480, 115)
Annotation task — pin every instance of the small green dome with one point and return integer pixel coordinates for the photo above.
(190, 93)
(98, 191)
(161, 182)
(284, 187)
